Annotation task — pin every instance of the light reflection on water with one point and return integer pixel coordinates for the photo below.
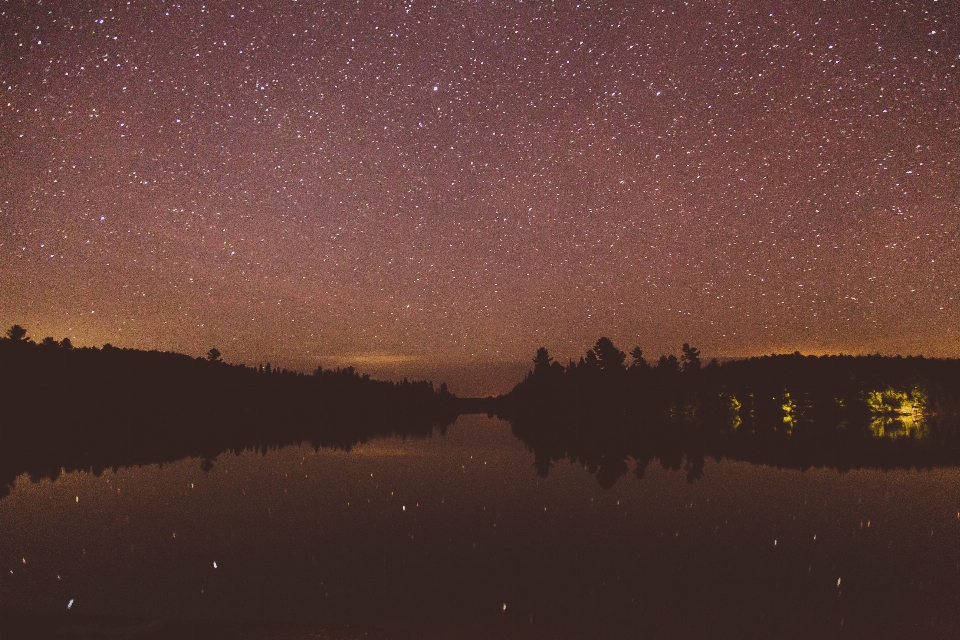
(898, 414)
(450, 529)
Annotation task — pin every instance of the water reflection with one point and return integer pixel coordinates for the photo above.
(431, 537)
(74, 451)
(340, 509)
(608, 450)
(883, 429)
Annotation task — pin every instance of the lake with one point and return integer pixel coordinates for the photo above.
(458, 535)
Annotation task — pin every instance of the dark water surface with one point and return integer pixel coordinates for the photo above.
(458, 534)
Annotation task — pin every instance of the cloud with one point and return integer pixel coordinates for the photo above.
(369, 359)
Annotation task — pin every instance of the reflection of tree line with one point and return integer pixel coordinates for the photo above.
(82, 408)
(95, 408)
(787, 411)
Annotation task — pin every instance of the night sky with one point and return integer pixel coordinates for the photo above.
(459, 183)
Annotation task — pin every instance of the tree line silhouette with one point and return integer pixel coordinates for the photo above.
(790, 411)
(93, 408)
(83, 408)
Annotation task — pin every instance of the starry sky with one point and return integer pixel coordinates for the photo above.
(409, 186)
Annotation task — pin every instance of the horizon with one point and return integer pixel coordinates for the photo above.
(478, 379)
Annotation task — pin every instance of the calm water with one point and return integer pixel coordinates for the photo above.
(458, 532)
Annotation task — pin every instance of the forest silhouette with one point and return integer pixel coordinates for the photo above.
(96, 408)
(789, 411)
(66, 408)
